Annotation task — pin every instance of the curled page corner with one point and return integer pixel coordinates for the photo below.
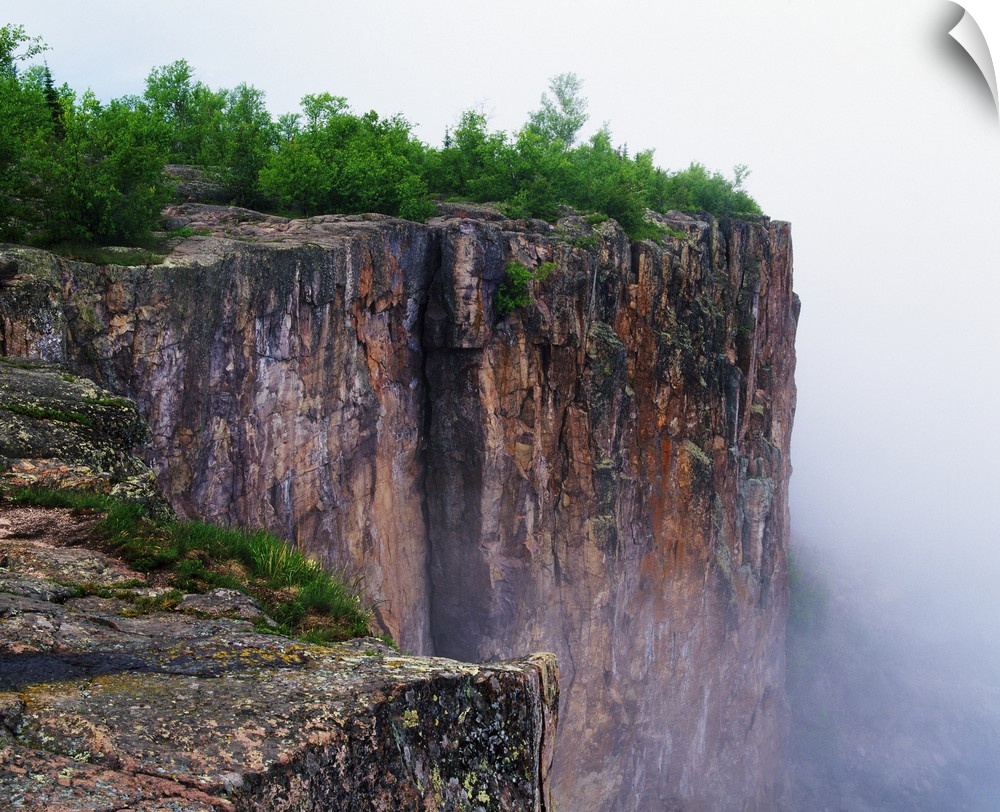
(969, 35)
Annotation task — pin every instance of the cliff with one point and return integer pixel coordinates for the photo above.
(602, 474)
(117, 691)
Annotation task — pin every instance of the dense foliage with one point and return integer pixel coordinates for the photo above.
(75, 170)
(335, 161)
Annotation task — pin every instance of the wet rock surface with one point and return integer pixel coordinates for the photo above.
(106, 704)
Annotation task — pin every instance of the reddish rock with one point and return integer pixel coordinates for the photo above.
(106, 706)
(602, 474)
(607, 476)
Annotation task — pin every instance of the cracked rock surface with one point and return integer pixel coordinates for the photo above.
(602, 473)
(106, 706)
(110, 700)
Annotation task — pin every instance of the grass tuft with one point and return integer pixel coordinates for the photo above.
(102, 255)
(305, 599)
(48, 413)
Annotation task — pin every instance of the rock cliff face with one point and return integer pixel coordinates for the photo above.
(119, 692)
(602, 474)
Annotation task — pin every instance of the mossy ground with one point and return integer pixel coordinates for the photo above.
(304, 599)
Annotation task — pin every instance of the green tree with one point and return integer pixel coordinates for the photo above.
(229, 132)
(320, 109)
(652, 181)
(248, 137)
(541, 170)
(542, 176)
(294, 177)
(69, 171)
(698, 189)
(514, 290)
(13, 38)
(24, 135)
(474, 163)
(606, 181)
(106, 182)
(54, 104)
(342, 163)
(191, 111)
(561, 116)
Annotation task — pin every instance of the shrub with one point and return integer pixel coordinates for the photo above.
(347, 164)
(78, 171)
(697, 189)
(514, 290)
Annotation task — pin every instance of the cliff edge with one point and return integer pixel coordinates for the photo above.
(601, 473)
(116, 692)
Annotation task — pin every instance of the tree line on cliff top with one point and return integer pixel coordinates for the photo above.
(74, 169)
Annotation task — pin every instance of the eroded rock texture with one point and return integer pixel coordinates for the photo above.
(281, 376)
(105, 705)
(602, 474)
(61, 431)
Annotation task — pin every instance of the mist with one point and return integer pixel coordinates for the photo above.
(894, 652)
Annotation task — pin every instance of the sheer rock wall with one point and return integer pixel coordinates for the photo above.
(602, 474)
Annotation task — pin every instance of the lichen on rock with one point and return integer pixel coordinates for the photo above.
(63, 431)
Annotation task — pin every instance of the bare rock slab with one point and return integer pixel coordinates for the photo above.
(107, 707)
(278, 725)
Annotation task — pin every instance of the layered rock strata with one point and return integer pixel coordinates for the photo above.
(602, 474)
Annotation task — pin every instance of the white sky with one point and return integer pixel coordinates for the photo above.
(858, 126)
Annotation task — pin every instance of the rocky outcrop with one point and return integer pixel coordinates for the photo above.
(117, 691)
(602, 474)
(194, 185)
(58, 430)
(282, 382)
(108, 703)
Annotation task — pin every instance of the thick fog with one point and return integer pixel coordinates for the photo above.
(862, 123)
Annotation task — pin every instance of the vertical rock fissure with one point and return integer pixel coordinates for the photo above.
(432, 278)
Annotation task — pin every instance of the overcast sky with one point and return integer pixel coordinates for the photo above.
(860, 125)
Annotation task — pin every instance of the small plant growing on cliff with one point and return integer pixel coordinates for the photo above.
(515, 289)
(48, 413)
(544, 271)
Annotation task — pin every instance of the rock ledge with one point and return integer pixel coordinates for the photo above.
(116, 693)
(104, 706)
